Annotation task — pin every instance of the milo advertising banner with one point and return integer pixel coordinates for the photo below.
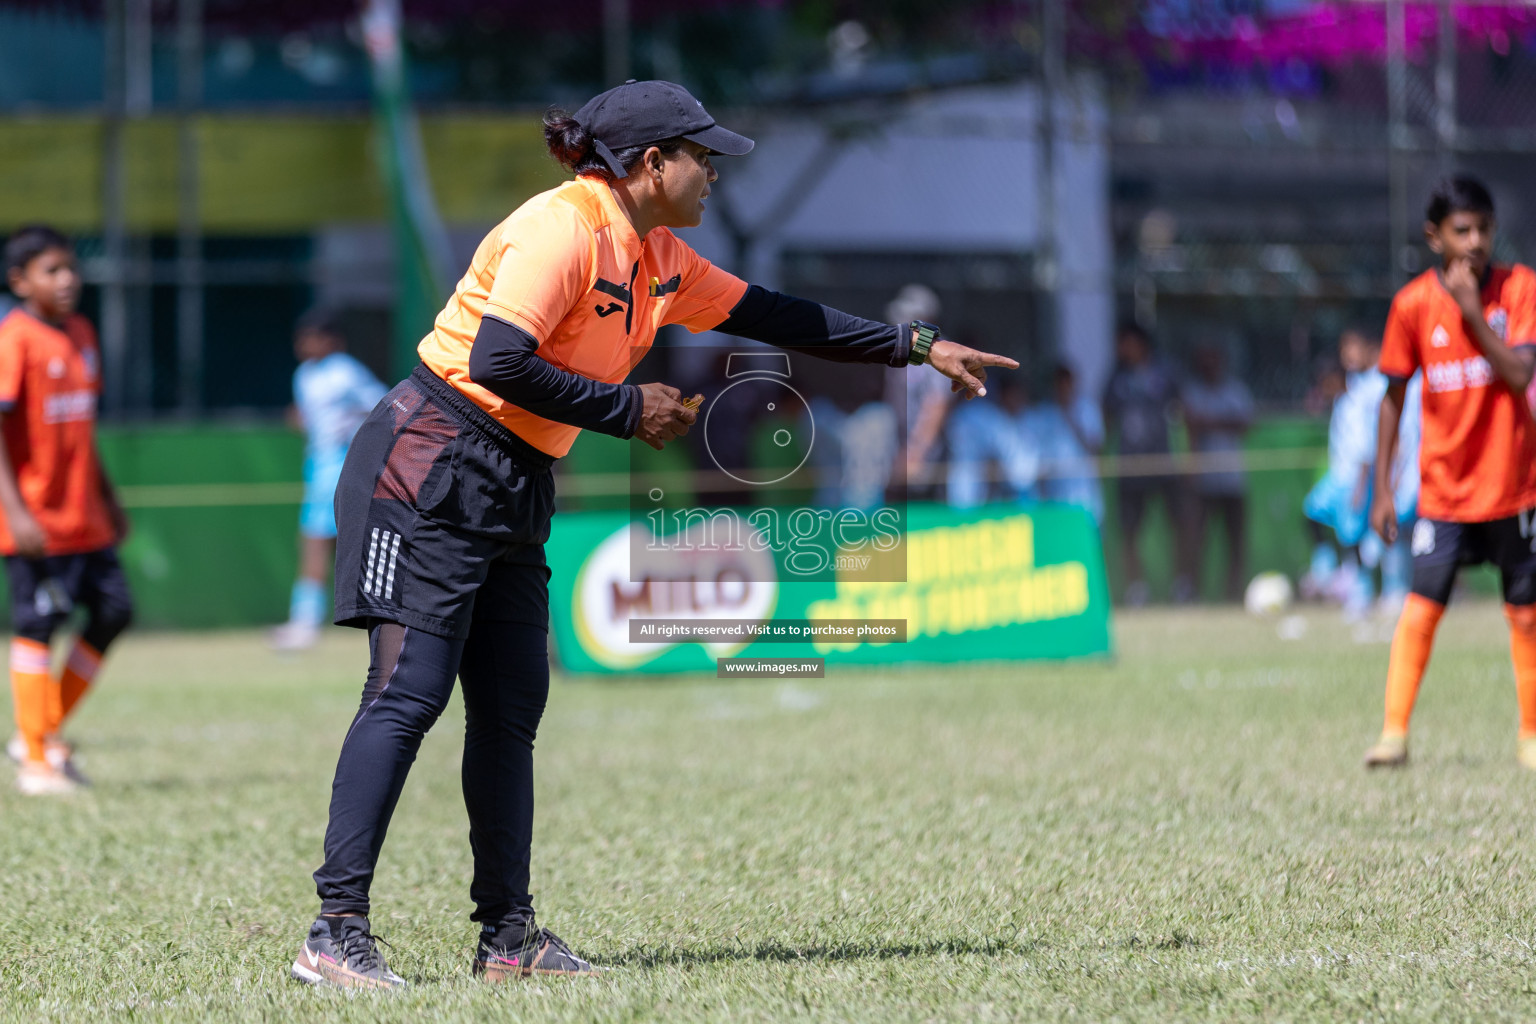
(994, 583)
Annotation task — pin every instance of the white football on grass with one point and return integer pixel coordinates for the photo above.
(1269, 593)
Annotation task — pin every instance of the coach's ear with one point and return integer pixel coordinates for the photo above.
(655, 163)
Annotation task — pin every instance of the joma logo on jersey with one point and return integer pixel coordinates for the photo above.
(69, 407)
(1458, 375)
(618, 291)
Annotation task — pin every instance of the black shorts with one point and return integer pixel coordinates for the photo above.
(44, 591)
(1441, 548)
(440, 508)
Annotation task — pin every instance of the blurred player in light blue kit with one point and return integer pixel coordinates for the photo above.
(1342, 499)
(332, 394)
(1068, 432)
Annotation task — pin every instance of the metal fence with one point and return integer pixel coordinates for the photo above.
(1269, 161)
(1270, 175)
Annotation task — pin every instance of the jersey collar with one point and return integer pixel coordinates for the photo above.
(618, 220)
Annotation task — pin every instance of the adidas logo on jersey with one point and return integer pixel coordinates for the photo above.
(379, 574)
(1439, 337)
(1499, 321)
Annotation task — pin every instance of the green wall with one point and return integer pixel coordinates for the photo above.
(215, 520)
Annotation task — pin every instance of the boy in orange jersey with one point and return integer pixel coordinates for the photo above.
(1471, 328)
(60, 519)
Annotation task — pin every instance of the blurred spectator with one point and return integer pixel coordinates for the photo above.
(921, 396)
(1068, 433)
(1327, 386)
(870, 450)
(728, 449)
(1218, 410)
(1139, 401)
(1397, 560)
(986, 444)
(1342, 498)
(856, 446)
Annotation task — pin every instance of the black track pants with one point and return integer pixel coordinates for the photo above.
(504, 669)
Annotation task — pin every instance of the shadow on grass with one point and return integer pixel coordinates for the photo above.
(778, 952)
(173, 783)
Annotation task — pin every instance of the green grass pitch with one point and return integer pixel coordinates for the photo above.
(1183, 833)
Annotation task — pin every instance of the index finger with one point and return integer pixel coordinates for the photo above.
(992, 359)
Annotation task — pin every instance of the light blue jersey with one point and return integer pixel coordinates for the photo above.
(1352, 428)
(334, 395)
(1338, 499)
(1405, 467)
(982, 435)
(1068, 472)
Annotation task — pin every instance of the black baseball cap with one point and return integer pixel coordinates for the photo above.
(639, 113)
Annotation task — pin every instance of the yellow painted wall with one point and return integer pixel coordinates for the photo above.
(265, 174)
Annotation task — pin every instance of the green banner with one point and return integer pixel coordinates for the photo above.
(1013, 582)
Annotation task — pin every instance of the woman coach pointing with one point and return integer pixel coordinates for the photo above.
(444, 504)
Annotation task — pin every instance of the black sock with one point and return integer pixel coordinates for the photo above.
(336, 928)
(511, 932)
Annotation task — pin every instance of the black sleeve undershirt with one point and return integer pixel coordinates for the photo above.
(504, 361)
(801, 325)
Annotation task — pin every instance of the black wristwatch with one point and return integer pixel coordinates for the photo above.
(927, 334)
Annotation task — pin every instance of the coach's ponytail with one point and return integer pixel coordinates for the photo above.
(570, 144)
(574, 148)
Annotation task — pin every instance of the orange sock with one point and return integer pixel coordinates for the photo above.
(79, 672)
(1410, 654)
(1522, 650)
(31, 692)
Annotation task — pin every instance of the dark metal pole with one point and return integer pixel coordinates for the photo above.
(138, 102)
(1445, 89)
(1398, 141)
(114, 228)
(189, 242)
(615, 42)
(1047, 262)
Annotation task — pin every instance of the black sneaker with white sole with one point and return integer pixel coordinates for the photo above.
(518, 948)
(342, 952)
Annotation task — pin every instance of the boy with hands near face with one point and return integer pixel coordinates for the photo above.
(1470, 325)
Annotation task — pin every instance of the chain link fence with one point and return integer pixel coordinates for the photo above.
(1271, 162)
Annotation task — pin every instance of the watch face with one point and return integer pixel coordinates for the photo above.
(767, 400)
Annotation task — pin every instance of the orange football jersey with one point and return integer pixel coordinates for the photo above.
(50, 378)
(568, 268)
(1477, 458)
